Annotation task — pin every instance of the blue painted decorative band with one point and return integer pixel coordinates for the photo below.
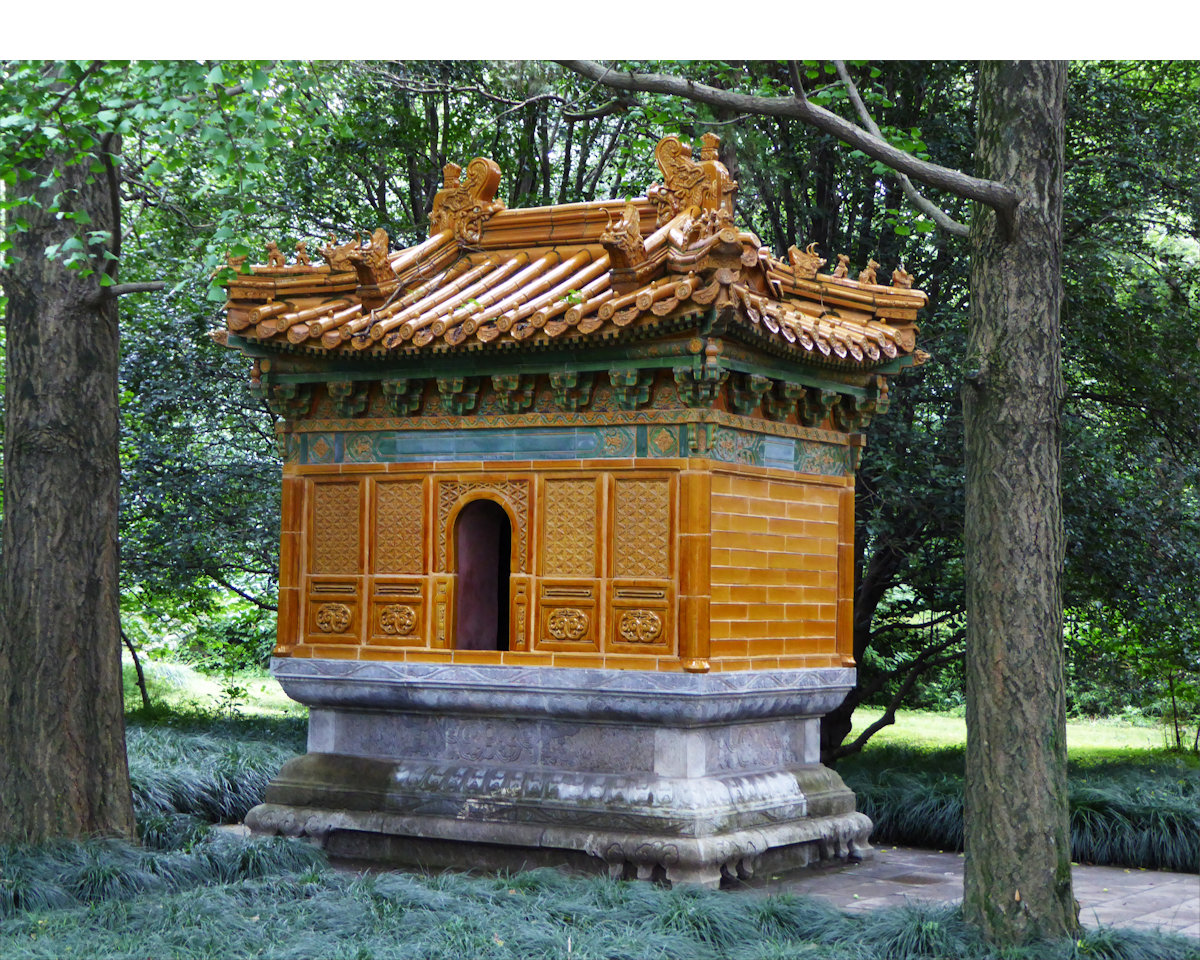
(717, 442)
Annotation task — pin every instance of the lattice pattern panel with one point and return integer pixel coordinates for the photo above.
(399, 527)
(642, 529)
(514, 492)
(569, 543)
(335, 529)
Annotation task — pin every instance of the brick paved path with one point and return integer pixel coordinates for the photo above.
(1109, 896)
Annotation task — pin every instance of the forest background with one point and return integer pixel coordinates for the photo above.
(226, 156)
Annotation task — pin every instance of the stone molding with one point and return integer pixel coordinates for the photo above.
(678, 699)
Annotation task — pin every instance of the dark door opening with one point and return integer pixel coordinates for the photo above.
(482, 552)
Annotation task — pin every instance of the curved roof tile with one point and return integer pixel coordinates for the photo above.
(489, 276)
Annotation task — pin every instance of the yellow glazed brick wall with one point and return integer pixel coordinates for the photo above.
(775, 565)
(759, 572)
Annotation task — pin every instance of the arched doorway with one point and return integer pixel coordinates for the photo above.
(482, 557)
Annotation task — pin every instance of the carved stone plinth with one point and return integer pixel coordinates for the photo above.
(669, 776)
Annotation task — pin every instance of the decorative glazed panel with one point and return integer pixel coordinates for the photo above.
(568, 617)
(335, 529)
(569, 543)
(642, 529)
(399, 527)
(641, 618)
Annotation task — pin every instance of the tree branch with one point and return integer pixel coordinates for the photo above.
(137, 665)
(926, 660)
(1002, 198)
(915, 197)
(241, 593)
(618, 105)
(797, 83)
(120, 289)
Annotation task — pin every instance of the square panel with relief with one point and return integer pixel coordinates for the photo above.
(641, 617)
(567, 618)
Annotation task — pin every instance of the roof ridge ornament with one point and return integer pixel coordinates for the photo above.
(622, 238)
(463, 207)
(370, 259)
(806, 262)
(704, 186)
(337, 255)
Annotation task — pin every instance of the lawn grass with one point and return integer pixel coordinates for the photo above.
(1110, 739)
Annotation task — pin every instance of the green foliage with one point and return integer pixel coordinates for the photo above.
(1134, 813)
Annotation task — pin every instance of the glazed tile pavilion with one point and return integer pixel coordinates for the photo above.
(568, 514)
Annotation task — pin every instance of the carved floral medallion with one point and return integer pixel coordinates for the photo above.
(640, 626)
(333, 617)
(567, 623)
(397, 618)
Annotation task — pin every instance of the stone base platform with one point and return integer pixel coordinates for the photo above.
(683, 778)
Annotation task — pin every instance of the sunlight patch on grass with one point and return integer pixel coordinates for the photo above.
(921, 728)
(179, 686)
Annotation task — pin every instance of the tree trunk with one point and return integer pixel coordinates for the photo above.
(63, 770)
(1018, 872)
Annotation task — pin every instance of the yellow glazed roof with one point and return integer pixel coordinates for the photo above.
(488, 276)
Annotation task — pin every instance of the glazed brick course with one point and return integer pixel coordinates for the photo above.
(772, 542)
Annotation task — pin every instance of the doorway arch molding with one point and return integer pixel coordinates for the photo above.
(512, 496)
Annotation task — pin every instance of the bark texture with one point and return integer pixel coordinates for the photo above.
(63, 770)
(1018, 872)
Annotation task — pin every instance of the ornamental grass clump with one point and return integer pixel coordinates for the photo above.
(63, 874)
(1122, 814)
(211, 777)
(309, 911)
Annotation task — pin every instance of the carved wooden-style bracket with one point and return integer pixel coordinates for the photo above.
(700, 437)
(689, 185)
(460, 395)
(403, 397)
(746, 391)
(349, 398)
(880, 395)
(847, 414)
(699, 389)
(289, 401)
(814, 406)
(853, 414)
(514, 392)
(781, 402)
(572, 390)
(464, 207)
(631, 388)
